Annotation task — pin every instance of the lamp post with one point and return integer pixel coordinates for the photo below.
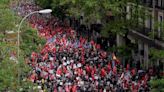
(18, 36)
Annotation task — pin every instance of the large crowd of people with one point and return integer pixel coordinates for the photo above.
(71, 63)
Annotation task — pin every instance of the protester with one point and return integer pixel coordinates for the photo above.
(68, 63)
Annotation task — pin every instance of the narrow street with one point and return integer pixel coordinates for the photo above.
(71, 62)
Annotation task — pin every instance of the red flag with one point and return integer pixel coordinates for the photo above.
(64, 69)
(88, 69)
(93, 77)
(93, 70)
(51, 65)
(109, 67)
(74, 88)
(103, 72)
(117, 61)
(33, 77)
(115, 70)
(80, 71)
(54, 50)
(98, 46)
(59, 72)
(33, 56)
(52, 77)
(92, 42)
(67, 89)
(133, 86)
(45, 56)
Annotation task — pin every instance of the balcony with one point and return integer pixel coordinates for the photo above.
(159, 7)
(147, 3)
(143, 30)
(140, 35)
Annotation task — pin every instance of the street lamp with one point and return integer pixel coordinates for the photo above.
(45, 11)
(40, 11)
(18, 38)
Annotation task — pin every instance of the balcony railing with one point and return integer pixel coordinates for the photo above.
(152, 42)
(159, 7)
(143, 30)
(147, 32)
(150, 4)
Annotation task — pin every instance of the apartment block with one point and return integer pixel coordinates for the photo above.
(150, 33)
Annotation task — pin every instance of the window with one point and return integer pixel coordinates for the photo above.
(160, 3)
(160, 20)
(128, 12)
(156, 3)
(149, 3)
(149, 22)
(143, 1)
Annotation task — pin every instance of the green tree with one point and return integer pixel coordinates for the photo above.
(44, 3)
(9, 79)
(94, 10)
(157, 85)
(30, 41)
(13, 74)
(157, 53)
(7, 16)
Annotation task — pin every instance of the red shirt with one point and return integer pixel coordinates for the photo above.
(92, 42)
(109, 67)
(103, 72)
(93, 71)
(59, 71)
(98, 46)
(80, 71)
(88, 69)
(64, 69)
(74, 88)
(67, 89)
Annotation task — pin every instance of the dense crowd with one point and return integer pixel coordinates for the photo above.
(69, 63)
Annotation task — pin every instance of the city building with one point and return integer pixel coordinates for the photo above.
(151, 34)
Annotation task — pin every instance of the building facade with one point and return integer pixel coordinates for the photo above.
(151, 33)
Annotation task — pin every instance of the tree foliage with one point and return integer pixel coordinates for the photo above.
(9, 79)
(157, 85)
(7, 18)
(44, 3)
(31, 41)
(156, 54)
(13, 75)
(94, 10)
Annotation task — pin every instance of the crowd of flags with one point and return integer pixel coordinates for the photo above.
(68, 63)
